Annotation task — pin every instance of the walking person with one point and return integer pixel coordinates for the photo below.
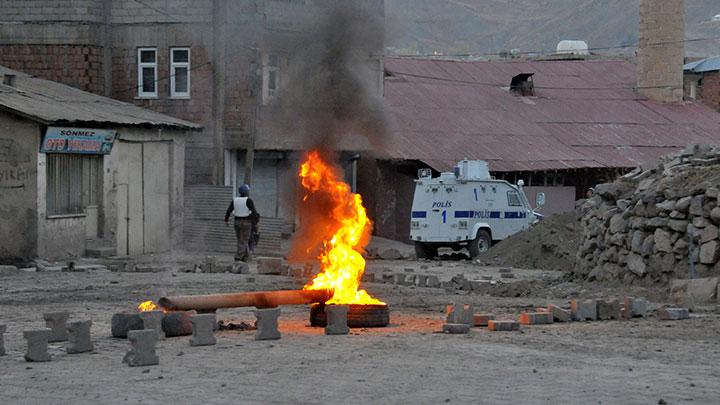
(243, 209)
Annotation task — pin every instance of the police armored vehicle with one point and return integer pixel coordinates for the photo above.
(467, 208)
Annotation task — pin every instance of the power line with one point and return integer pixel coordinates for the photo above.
(156, 81)
(156, 10)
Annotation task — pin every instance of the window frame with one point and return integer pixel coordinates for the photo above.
(517, 195)
(267, 97)
(75, 189)
(140, 66)
(173, 92)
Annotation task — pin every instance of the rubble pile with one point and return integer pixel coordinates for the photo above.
(658, 222)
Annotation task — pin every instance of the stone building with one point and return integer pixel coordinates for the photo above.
(239, 68)
(79, 170)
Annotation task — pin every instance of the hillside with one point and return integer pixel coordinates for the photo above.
(482, 26)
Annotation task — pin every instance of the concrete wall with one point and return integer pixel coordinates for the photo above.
(558, 200)
(19, 140)
(661, 50)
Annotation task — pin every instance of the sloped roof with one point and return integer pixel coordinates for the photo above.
(705, 65)
(585, 114)
(55, 103)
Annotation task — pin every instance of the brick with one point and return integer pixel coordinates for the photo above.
(608, 310)
(337, 322)
(482, 319)
(583, 310)
(37, 344)
(267, 324)
(203, 326)
(460, 313)
(673, 314)
(536, 318)
(3, 329)
(142, 348)
(79, 339)
(152, 320)
(269, 265)
(57, 323)
(559, 314)
(503, 326)
(456, 328)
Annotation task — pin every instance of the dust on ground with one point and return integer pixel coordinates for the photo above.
(549, 244)
(637, 361)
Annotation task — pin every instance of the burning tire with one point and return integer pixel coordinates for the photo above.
(359, 316)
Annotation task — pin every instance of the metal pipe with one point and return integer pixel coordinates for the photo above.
(259, 299)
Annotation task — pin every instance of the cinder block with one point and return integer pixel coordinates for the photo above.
(3, 329)
(142, 348)
(399, 278)
(337, 322)
(57, 323)
(583, 310)
(536, 318)
(203, 326)
(673, 314)
(634, 308)
(482, 319)
(267, 324)
(422, 280)
(607, 310)
(502, 326)
(79, 340)
(559, 314)
(460, 313)
(37, 344)
(269, 265)
(152, 320)
(433, 282)
(456, 328)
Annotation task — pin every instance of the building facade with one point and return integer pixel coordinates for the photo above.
(241, 69)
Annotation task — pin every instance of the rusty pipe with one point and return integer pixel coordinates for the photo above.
(259, 299)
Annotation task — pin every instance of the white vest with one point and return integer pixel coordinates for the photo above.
(240, 207)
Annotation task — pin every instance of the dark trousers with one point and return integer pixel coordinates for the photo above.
(243, 227)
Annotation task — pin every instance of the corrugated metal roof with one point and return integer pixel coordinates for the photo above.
(55, 103)
(584, 114)
(705, 65)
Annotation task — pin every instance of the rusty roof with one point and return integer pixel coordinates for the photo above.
(584, 114)
(50, 102)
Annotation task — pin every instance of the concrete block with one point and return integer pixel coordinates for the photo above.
(482, 319)
(583, 310)
(536, 318)
(3, 329)
(399, 279)
(433, 282)
(203, 326)
(177, 323)
(422, 280)
(267, 324)
(410, 280)
(269, 265)
(702, 290)
(456, 328)
(635, 308)
(121, 323)
(152, 320)
(37, 344)
(459, 313)
(57, 322)
(502, 326)
(142, 348)
(559, 314)
(337, 322)
(673, 314)
(608, 310)
(79, 340)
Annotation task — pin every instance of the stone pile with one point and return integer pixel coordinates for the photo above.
(651, 224)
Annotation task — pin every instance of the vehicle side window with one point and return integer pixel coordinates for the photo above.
(513, 199)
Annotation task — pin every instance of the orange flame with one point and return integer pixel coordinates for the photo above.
(341, 262)
(147, 306)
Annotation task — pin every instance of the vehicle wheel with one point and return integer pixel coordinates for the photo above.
(425, 251)
(359, 316)
(480, 244)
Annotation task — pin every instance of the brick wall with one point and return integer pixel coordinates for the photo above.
(79, 66)
(661, 51)
(708, 88)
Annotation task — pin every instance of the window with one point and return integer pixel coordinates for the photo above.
(72, 183)
(271, 76)
(147, 72)
(180, 72)
(513, 199)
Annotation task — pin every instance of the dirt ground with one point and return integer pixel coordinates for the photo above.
(639, 361)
